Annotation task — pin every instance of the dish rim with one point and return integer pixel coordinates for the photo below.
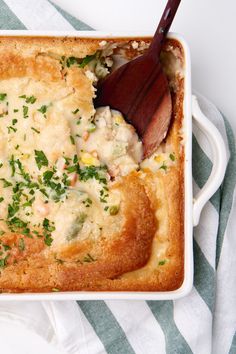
(188, 194)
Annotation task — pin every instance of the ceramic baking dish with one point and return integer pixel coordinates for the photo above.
(193, 205)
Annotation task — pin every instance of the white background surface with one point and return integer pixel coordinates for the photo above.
(210, 29)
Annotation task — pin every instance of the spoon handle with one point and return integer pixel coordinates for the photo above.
(163, 27)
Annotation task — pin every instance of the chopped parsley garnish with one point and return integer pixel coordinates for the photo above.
(163, 167)
(35, 130)
(17, 222)
(5, 183)
(25, 111)
(29, 99)
(12, 164)
(29, 203)
(14, 121)
(43, 109)
(172, 157)
(6, 247)
(16, 110)
(88, 258)
(80, 62)
(72, 140)
(40, 158)
(75, 111)
(162, 262)
(1, 199)
(92, 172)
(87, 60)
(3, 262)
(48, 228)
(87, 202)
(21, 244)
(75, 159)
(13, 209)
(3, 96)
(1, 164)
(114, 209)
(47, 176)
(11, 128)
(72, 61)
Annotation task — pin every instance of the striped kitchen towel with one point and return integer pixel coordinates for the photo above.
(204, 322)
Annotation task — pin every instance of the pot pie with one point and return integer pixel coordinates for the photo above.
(79, 208)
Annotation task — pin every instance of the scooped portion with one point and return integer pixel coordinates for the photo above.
(108, 139)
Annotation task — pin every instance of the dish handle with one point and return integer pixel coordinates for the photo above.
(219, 160)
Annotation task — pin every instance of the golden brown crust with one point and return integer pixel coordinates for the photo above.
(116, 254)
(129, 254)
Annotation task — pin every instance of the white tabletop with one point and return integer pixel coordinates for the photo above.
(209, 27)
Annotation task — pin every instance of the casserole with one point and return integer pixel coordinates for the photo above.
(187, 281)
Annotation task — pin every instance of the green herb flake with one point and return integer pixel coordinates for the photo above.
(88, 258)
(75, 111)
(162, 262)
(12, 164)
(16, 110)
(48, 240)
(29, 202)
(87, 60)
(72, 140)
(6, 247)
(40, 158)
(1, 164)
(25, 111)
(163, 167)
(43, 109)
(3, 96)
(114, 209)
(75, 159)
(5, 183)
(47, 176)
(72, 61)
(35, 130)
(1, 199)
(172, 157)
(21, 244)
(29, 99)
(3, 262)
(10, 128)
(14, 121)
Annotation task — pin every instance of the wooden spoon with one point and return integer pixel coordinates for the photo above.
(140, 91)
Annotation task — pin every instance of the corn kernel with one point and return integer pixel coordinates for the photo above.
(88, 159)
(119, 119)
(159, 158)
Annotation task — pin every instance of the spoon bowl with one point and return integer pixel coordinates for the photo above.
(139, 89)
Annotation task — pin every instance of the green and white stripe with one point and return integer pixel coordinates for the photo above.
(203, 322)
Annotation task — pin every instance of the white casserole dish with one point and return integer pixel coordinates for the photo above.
(193, 206)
